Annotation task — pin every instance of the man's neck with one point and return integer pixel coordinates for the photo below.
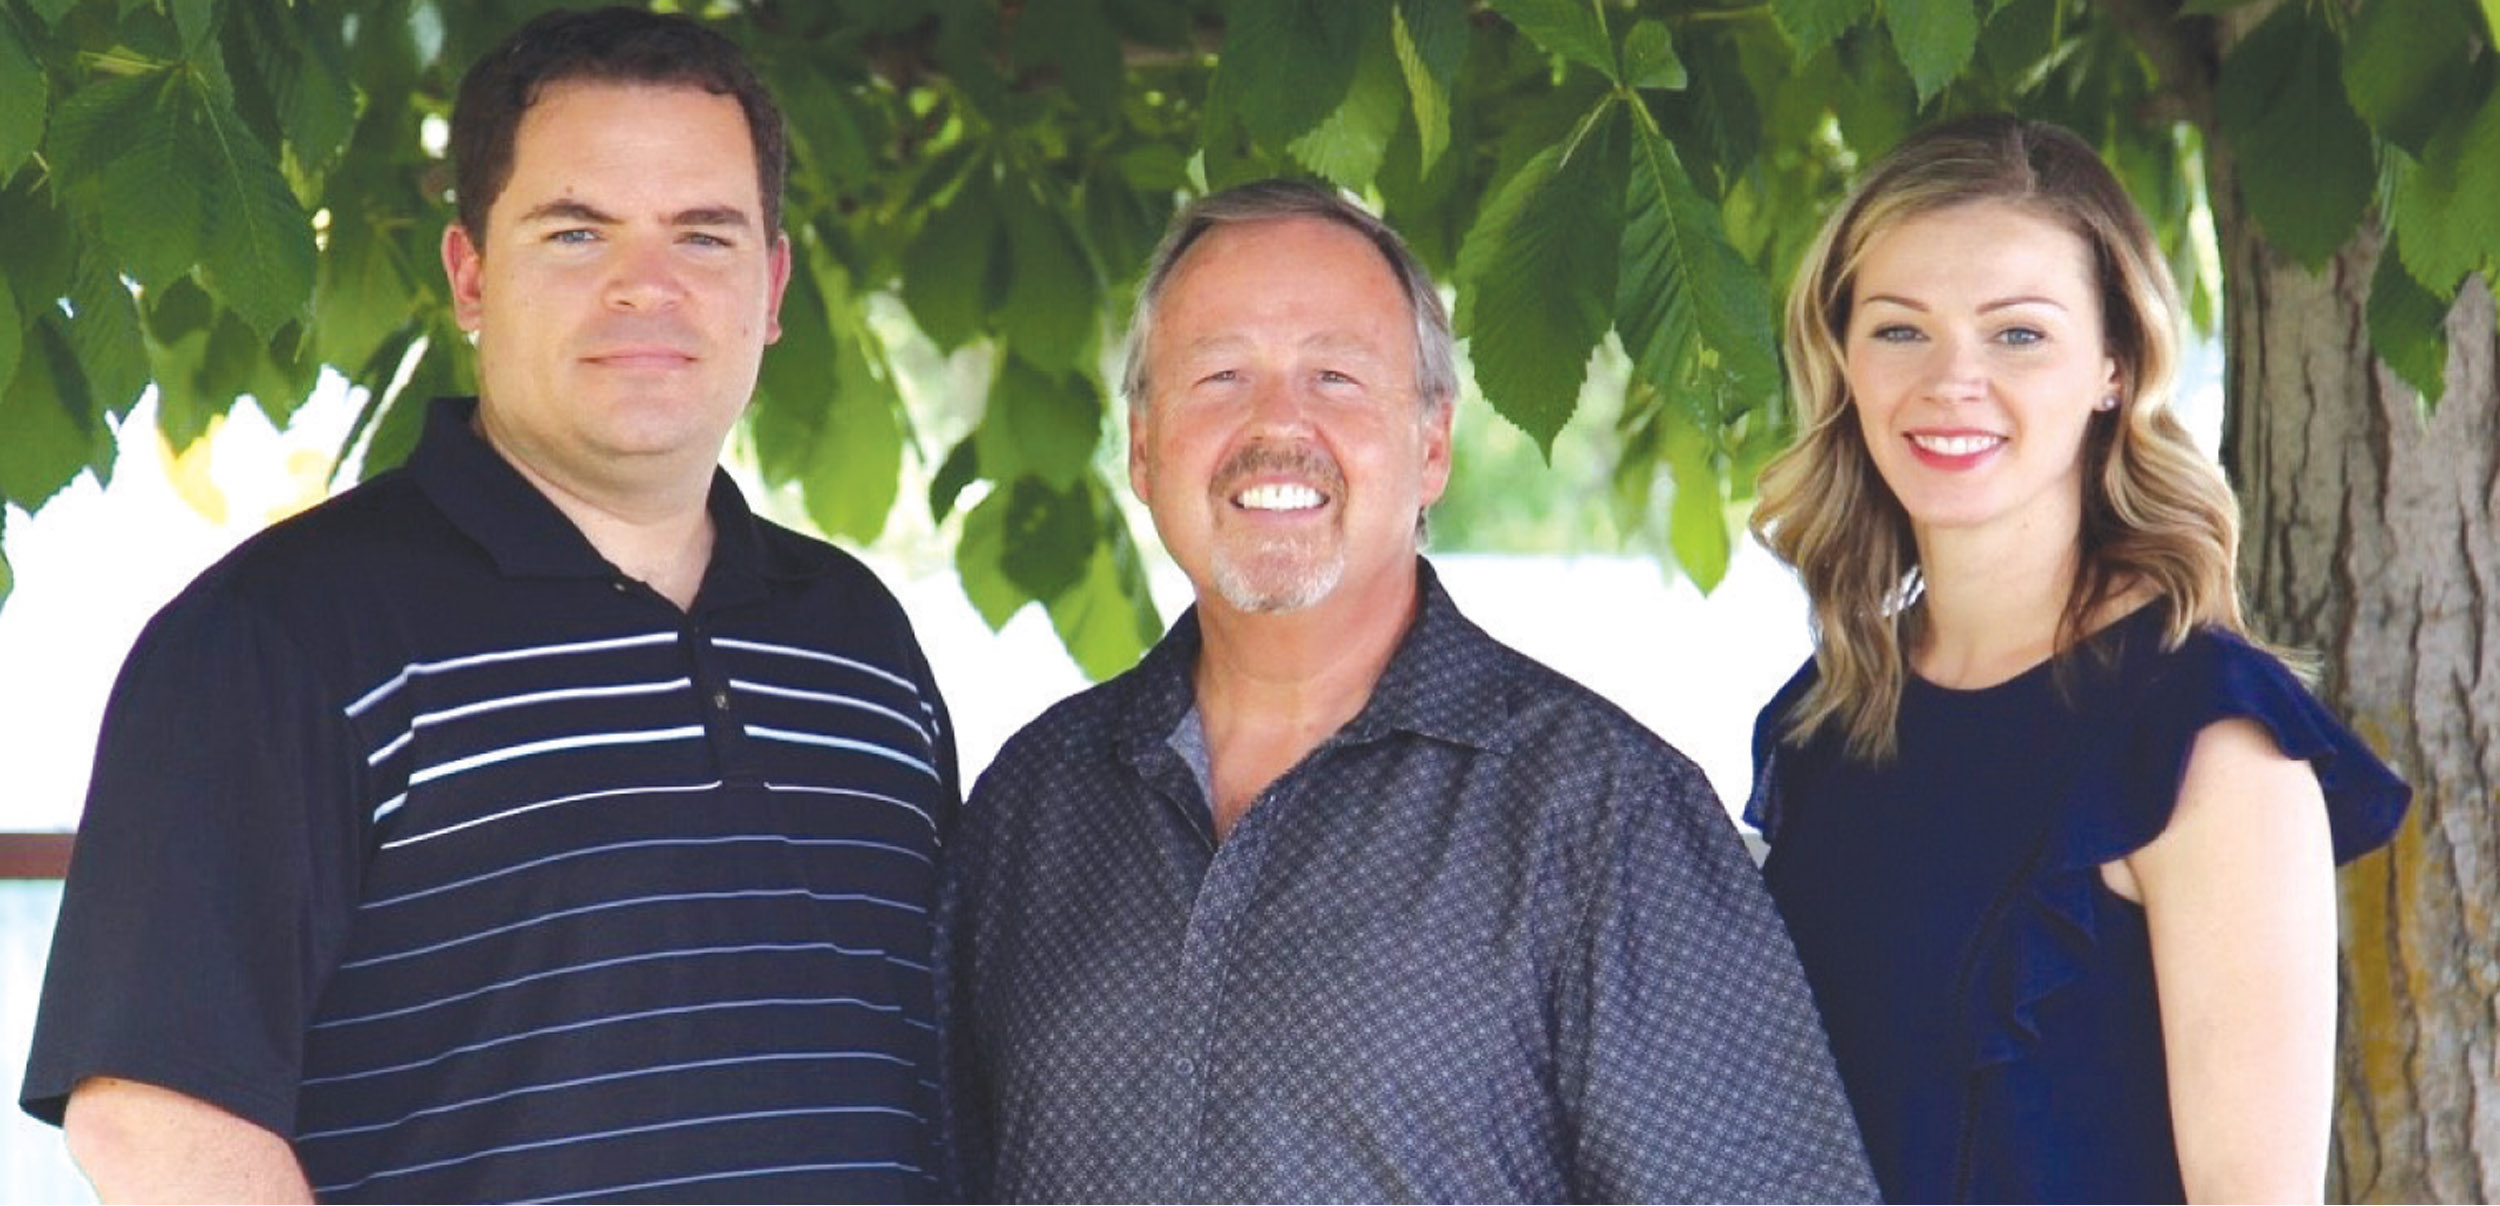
(658, 534)
(1271, 687)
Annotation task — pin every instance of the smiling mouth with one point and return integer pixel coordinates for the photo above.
(1957, 445)
(1279, 496)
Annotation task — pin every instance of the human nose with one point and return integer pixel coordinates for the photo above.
(644, 276)
(1277, 403)
(1955, 371)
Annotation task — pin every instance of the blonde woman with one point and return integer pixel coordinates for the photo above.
(2055, 839)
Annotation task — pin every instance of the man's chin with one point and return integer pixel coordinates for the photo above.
(1275, 586)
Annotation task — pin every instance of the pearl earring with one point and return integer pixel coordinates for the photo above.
(2107, 402)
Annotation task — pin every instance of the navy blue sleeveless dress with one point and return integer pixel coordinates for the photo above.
(1990, 1002)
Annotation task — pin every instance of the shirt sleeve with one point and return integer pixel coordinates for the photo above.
(213, 876)
(1691, 1059)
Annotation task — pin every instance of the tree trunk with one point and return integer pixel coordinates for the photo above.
(2373, 539)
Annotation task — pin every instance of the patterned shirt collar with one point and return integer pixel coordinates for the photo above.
(1442, 645)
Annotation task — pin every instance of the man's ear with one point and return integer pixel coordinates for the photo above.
(781, 283)
(1436, 477)
(464, 264)
(1140, 480)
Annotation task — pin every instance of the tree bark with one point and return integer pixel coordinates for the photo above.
(2372, 538)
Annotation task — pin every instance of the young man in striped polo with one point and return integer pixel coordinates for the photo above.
(533, 821)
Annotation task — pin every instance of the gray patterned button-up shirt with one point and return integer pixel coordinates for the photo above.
(1492, 940)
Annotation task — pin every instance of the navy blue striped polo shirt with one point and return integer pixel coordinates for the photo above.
(421, 835)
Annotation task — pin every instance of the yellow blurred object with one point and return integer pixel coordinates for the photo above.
(188, 471)
(308, 482)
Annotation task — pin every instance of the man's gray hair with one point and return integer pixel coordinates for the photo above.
(1436, 370)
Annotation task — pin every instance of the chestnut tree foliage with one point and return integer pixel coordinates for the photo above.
(219, 197)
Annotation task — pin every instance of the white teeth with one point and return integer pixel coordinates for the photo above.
(1959, 445)
(1278, 497)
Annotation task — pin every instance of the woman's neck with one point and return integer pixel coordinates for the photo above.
(1992, 608)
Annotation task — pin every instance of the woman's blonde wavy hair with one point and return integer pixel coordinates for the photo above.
(2156, 511)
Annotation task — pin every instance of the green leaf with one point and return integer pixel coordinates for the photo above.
(361, 296)
(1072, 36)
(394, 430)
(2408, 327)
(135, 155)
(1649, 56)
(12, 336)
(51, 10)
(825, 415)
(1287, 63)
(1812, 25)
(103, 333)
(195, 20)
(1571, 29)
(1049, 535)
(2306, 167)
(1053, 302)
(2211, 8)
(259, 256)
(1935, 39)
(1041, 424)
(1697, 521)
(1347, 146)
(2405, 64)
(1107, 619)
(1539, 273)
(952, 270)
(44, 409)
(2441, 211)
(1122, 223)
(961, 468)
(24, 96)
(979, 562)
(8, 577)
(299, 50)
(1682, 282)
(1717, 121)
(1430, 38)
(2491, 20)
(1874, 102)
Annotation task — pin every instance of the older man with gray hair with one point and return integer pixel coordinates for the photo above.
(1333, 896)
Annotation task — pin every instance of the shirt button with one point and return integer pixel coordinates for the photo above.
(623, 586)
(1184, 1065)
(720, 700)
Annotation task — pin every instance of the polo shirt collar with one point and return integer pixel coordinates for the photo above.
(527, 536)
(1445, 682)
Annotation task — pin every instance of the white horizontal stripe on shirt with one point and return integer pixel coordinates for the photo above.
(554, 745)
(776, 839)
(842, 743)
(553, 1086)
(414, 838)
(639, 1015)
(520, 701)
(418, 669)
(691, 952)
(633, 902)
(618, 1133)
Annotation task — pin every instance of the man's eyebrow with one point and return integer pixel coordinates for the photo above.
(568, 210)
(711, 215)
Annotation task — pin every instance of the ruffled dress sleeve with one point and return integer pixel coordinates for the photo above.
(1762, 811)
(2141, 727)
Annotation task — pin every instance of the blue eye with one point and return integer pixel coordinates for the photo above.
(576, 236)
(2022, 337)
(1893, 333)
